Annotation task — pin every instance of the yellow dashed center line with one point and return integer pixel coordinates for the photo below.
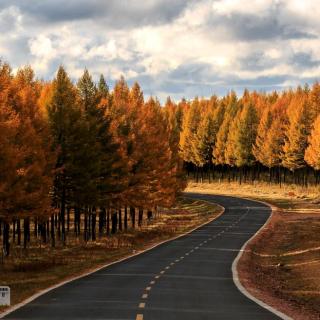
(145, 295)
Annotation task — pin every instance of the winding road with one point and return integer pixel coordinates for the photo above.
(189, 278)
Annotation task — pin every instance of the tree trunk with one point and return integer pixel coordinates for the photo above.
(114, 222)
(94, 218)
(26, 232)
(19, 231)
(89, 224)
(125, 218)
(133, 216)
(44, 232)
(102, 219)
(53, 240)
(62, 221)
(75, 220)
(108, 222)
(120, 220)
(68, 218)
(14, 231)
(6, 239)
(85, 232)
(35, 230)
(140, 217)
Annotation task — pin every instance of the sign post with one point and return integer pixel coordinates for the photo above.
(4, 296)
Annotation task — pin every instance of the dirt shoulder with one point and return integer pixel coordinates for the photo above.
(37, 268)
(281, 266)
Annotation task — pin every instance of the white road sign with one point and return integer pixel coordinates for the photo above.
(4, 296)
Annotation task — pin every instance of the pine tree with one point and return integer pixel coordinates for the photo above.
(103, 89)
(205, 139)
(231, 108)
(262, 132)
(245, 136)
(189, 130)
(297, 132)
(312, 154)
(231, 141)
(26, 179)
(175, 180)
(66, 128)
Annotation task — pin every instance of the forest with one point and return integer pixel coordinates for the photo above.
(272, 137)
(79, 153)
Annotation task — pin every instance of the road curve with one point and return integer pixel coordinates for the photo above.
(188, 278)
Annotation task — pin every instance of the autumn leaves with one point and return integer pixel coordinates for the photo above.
(244, 136)
(82, 153)
(80, 150)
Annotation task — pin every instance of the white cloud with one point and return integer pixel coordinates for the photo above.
(41, 46)
(273, 53)
(205, 44)
(256, 7)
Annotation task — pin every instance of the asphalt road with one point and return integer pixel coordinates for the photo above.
(189, 278)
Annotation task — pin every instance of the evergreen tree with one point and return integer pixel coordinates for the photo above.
(66, 128)
(189, 130)
(258, 149)
(231, 108)
(205, 138)
(312, 154)
(297, 132)
(103, 89)
(246, 130)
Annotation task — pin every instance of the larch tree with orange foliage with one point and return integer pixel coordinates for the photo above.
(312, 154)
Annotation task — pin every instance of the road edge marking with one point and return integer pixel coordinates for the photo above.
(85, 274)
(234, 268)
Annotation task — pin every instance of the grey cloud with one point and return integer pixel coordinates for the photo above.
(190, 78)
(262, 81)
(192, 71)
(252, 28)
(112, 13)
(17, 49)
(304, 60)
(256, 61)
(267, 26)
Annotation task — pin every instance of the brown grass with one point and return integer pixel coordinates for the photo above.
(278, 266)
(27, 272)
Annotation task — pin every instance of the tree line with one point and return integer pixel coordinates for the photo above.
(80, 153)
(273, 136)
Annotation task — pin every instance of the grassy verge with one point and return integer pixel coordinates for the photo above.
(279, 267)
(27, 272)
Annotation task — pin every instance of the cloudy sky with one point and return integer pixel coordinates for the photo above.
(180, 48)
